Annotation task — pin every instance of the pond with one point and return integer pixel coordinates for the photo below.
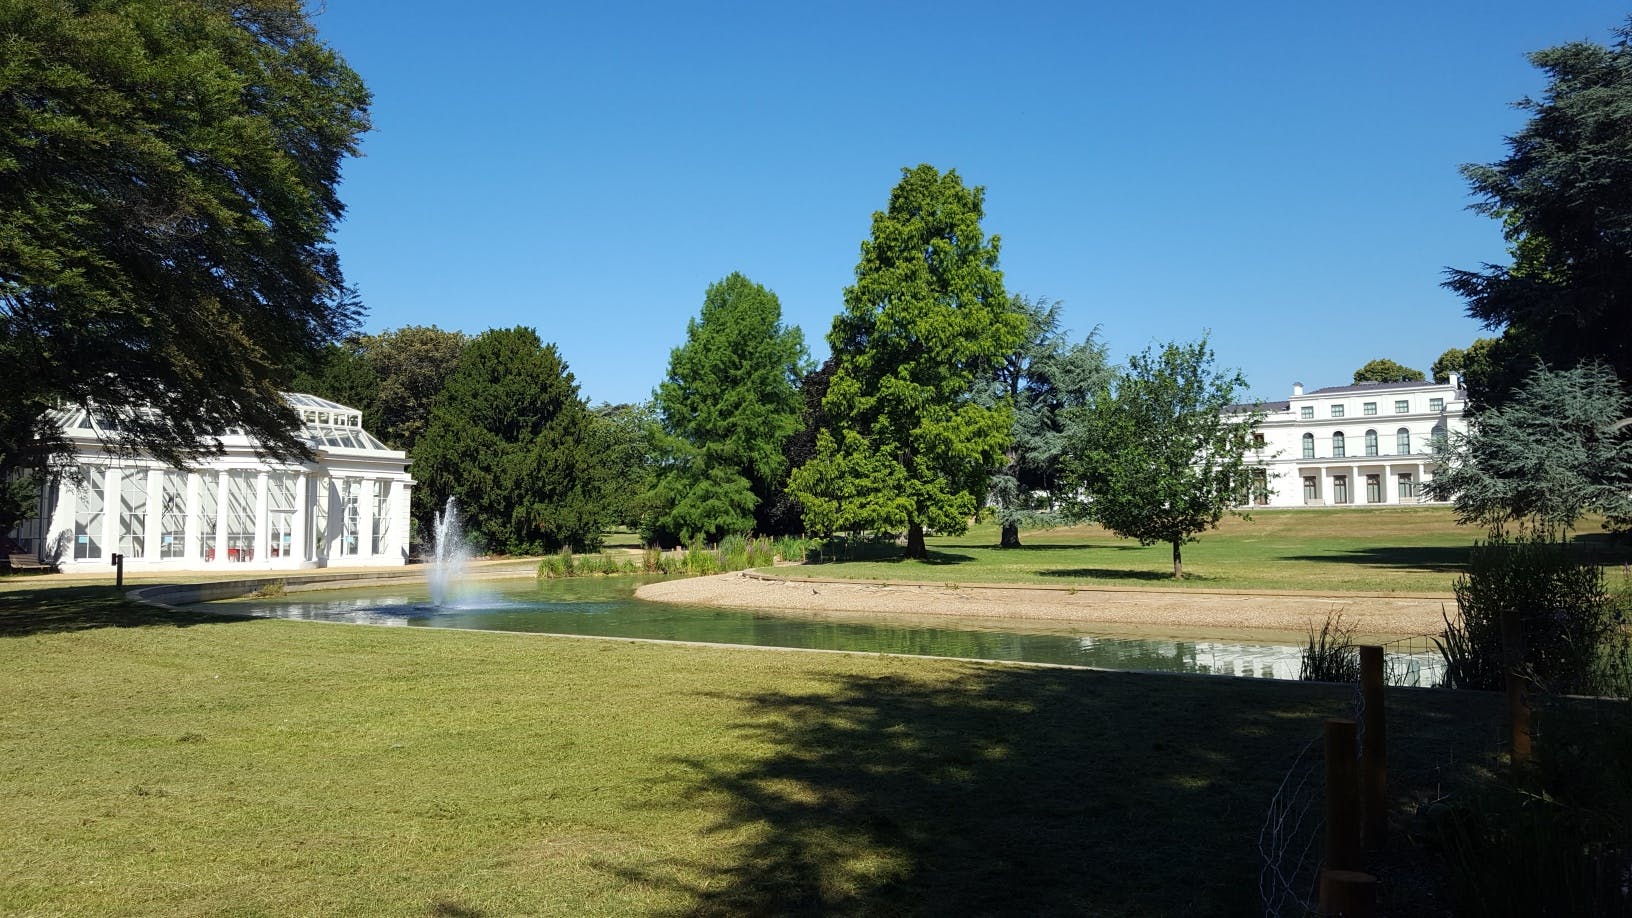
(607, 607)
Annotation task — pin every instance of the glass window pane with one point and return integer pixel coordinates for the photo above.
(90, 505)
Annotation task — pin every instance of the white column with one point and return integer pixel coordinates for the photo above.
(112, 482)
(60, 531)
(365, 518)
(1328, 485)
(297, 541)
(1391, 487)
(400, 520)
(223, 486)
(189, 526)
(1356, 493)
(262, 555)
(155, 513)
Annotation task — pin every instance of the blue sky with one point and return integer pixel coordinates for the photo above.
(1283, 174)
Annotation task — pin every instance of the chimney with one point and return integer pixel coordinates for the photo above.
(1297, 388)
(1456, 380)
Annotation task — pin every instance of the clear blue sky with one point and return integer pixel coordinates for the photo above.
(1284, 174)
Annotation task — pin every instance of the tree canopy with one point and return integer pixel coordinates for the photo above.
(925, 324)
(1042, 379)
(729, 404)
(1564, 196)
(1385, 370)
(1161, 456)
(1472, 362)
(167, 194)
(1553, 453)
(510, 438)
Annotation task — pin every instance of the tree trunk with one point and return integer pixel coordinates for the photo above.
(1178, 566)
(915, 541)
(1011, 536)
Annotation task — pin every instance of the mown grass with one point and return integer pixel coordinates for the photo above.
(1388, 550)
(175, 764)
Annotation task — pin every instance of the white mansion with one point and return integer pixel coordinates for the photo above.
(1370, 443)
(238, 511)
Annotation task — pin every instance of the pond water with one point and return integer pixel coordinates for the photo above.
(607, 607)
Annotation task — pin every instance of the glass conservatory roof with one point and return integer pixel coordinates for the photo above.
(324, 423)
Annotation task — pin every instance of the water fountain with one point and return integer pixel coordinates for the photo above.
(449, 554)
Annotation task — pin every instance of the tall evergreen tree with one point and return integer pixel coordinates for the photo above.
(1041, 379)
(1554, 452)
(729, 404)
(924, 326)
(1564, 196)
(510, 439)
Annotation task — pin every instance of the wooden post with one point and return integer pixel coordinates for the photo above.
(118, 571)
(1342, 797)
(1518, 696)
(1374, 752)
(1348, 893)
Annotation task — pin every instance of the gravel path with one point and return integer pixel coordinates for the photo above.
(1372, 614)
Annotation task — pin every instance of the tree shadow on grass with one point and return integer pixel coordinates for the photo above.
(1001, 791)
(1439, 559)
(57, 609)
(898, 556)
(1107, 573)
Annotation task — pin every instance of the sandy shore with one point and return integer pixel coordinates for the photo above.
(1372, 615)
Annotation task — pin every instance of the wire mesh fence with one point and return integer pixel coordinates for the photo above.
(1437, 760)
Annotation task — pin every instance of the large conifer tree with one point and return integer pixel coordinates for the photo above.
(510, 439)
(728, 405)
(924, 325)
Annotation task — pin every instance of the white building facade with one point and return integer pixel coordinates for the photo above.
(1369, 444)
(239, 511)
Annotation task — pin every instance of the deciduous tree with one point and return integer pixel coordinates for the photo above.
(925, 324)
(1160, 457)
(1385, 370)
(168, 173)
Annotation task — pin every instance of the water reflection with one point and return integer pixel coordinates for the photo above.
(607, 607)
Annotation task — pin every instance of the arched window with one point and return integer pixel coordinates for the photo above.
(1308, 446)
(1441, 437)
(1371, 442)
(1402, 442)
(1337, 445)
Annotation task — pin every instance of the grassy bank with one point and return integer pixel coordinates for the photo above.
(174, 764)
(1404, 550)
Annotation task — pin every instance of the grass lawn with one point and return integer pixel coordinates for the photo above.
(1402, 550)
(161, 763)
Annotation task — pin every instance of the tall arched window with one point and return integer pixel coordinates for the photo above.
(1371, 442)
(1441, 437)
(1337, 445)
(1402, 442)
(1308, 446)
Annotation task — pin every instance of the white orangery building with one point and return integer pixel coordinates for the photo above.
(1366, 444)
(237, 511)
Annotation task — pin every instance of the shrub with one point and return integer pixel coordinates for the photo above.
(1559, 844)
(549, 568)
(700, 561)
(1571, 627)
(651, 560)
(609, 564)
(792, 548)
(733, 553)
(761, 552)
(1331, 655)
